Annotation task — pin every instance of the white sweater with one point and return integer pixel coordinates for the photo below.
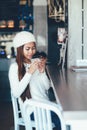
(39, 83)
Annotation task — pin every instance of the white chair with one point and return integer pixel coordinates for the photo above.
(18, 120)
(42, 115)
(41, 112)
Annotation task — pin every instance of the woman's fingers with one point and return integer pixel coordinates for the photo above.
(33, 67)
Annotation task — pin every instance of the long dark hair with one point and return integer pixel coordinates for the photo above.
(21, 71)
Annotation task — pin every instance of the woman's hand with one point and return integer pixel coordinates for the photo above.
(33, 67)
(42, 64)
(37, 64)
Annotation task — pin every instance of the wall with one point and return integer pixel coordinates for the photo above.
(40, 24)
(85, 29)
(77, 45)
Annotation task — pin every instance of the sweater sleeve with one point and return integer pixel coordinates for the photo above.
(17, 87)
(45, 81)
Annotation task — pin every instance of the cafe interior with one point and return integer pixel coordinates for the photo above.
(60, 29)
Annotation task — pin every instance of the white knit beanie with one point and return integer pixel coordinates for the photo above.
(22, 38)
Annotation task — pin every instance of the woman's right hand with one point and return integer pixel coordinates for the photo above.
(33, 67)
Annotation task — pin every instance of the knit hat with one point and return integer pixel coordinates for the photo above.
(22, 38)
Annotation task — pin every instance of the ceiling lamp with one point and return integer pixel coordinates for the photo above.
(10, 24)
(22, 2)
(56, 10)
(22, 24)
(3, 24)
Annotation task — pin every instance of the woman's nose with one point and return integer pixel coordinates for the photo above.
(31, 51)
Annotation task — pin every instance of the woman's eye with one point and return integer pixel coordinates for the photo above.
(33, 48)
(27, 49)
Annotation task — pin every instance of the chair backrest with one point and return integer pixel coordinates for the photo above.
(18, 120)
(16, 110)
(42, 115)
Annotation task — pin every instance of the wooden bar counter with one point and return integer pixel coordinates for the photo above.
(71, 89)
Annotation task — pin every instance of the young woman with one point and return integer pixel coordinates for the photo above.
(27, 76)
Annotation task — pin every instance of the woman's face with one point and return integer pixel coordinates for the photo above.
(29, 50)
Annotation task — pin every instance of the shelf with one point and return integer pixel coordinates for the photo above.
(6, 41)
(21, 15)
(9, 30)
(79, 69)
